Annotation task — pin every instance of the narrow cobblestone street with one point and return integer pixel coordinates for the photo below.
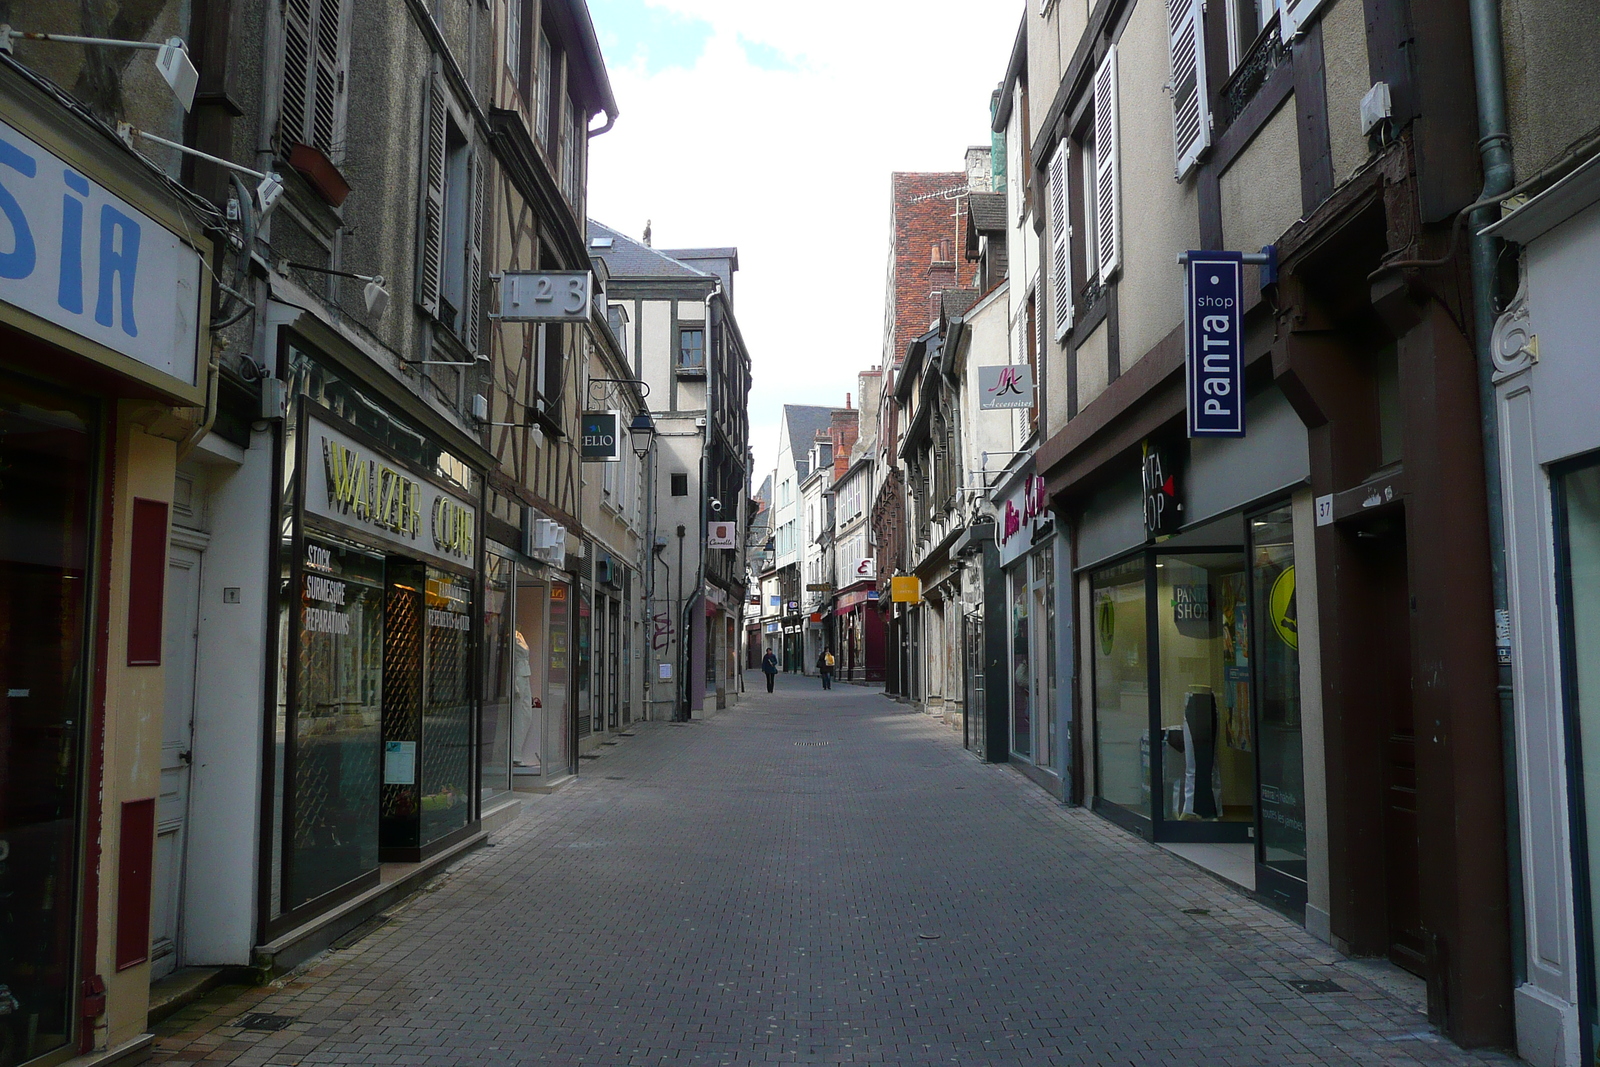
(817, 877)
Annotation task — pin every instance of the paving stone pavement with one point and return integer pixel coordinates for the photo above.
(816, 878)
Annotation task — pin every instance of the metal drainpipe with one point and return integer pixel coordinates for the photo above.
(1494, 148)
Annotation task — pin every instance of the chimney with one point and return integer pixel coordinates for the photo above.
(847, 401)
(647, 233)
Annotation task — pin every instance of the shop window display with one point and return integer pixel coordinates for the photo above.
(504, 677)
(1203, 636)
(1276, 635)
(1578, 499)
(46, 456)
(1121, 686)
(1021, 679)
(339, 704)
(447, 715)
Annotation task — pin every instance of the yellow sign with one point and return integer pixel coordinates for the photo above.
(1281, 608)
(905, 590)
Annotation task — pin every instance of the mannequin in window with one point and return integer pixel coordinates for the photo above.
(524, 737)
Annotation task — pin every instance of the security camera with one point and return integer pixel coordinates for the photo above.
(716, 505)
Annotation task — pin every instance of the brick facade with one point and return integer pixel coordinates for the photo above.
(927, 221)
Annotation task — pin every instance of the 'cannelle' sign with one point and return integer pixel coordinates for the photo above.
(347, 482)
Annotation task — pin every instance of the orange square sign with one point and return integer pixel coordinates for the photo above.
(905, 590)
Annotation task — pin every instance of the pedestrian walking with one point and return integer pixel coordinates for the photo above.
(769, 667)
(825, 668)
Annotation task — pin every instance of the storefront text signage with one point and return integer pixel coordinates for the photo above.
(1215, 364)
(601, 441)
(1022, 510)
(1161, 508)
(1005, 387)
(86, 260)
(866, 569)
(350, 483)
(905, 589)
(722, 535)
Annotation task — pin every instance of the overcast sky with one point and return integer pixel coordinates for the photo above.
(774, 127)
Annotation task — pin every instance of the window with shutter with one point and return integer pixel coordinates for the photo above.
(478, 209)
(513, 41)
(1191, 111)
(430, 247)
(1107, 179)
(313, 107)
(545, 95)
(1060, 243)
(1294, 14)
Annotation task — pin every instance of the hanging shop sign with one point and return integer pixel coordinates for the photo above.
(866, 569)
(1163, 514)
(1215, 364)
(350, 483)
(905, 589)
(84, 259)
(601, 440)
(545, 296)
(1023, 518)
(722, 535)
(1005, 387)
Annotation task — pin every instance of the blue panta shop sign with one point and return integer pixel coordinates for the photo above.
(1215, 364)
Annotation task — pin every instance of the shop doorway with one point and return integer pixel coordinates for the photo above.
(177, 746)
(1383, 551)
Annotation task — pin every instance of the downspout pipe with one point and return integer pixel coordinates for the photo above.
(1494, 150)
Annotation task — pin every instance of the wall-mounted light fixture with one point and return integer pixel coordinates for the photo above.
(376, 296)
(172, 57)
(268, 192)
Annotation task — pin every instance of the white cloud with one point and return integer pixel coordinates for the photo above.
(792, 165)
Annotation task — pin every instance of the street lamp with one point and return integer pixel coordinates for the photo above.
(642, 432)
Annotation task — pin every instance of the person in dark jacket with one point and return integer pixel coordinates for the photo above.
(825, 668)
(769, 667)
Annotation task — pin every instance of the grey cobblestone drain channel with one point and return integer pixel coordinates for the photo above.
(817, 878)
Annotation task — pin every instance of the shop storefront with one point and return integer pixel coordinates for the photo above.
(858, 636)
(104, 356)
(526, 737)
(1026, 540)
(377, 741)
(1549, 424)
(1191, 648)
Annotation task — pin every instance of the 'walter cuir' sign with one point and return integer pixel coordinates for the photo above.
(350, 483)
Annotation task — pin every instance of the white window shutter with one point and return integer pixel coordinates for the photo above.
(478, 207)
(1107, 178)
(431, 245)
(327, 106)
(1191, 105)
(1293, 16)
(297, 30)
(1060, 243)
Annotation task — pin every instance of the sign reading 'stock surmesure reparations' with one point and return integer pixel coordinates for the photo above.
(350, 483)
(1215, 364)
(77, 255)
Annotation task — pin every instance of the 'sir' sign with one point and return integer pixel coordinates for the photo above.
(1215, 364)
